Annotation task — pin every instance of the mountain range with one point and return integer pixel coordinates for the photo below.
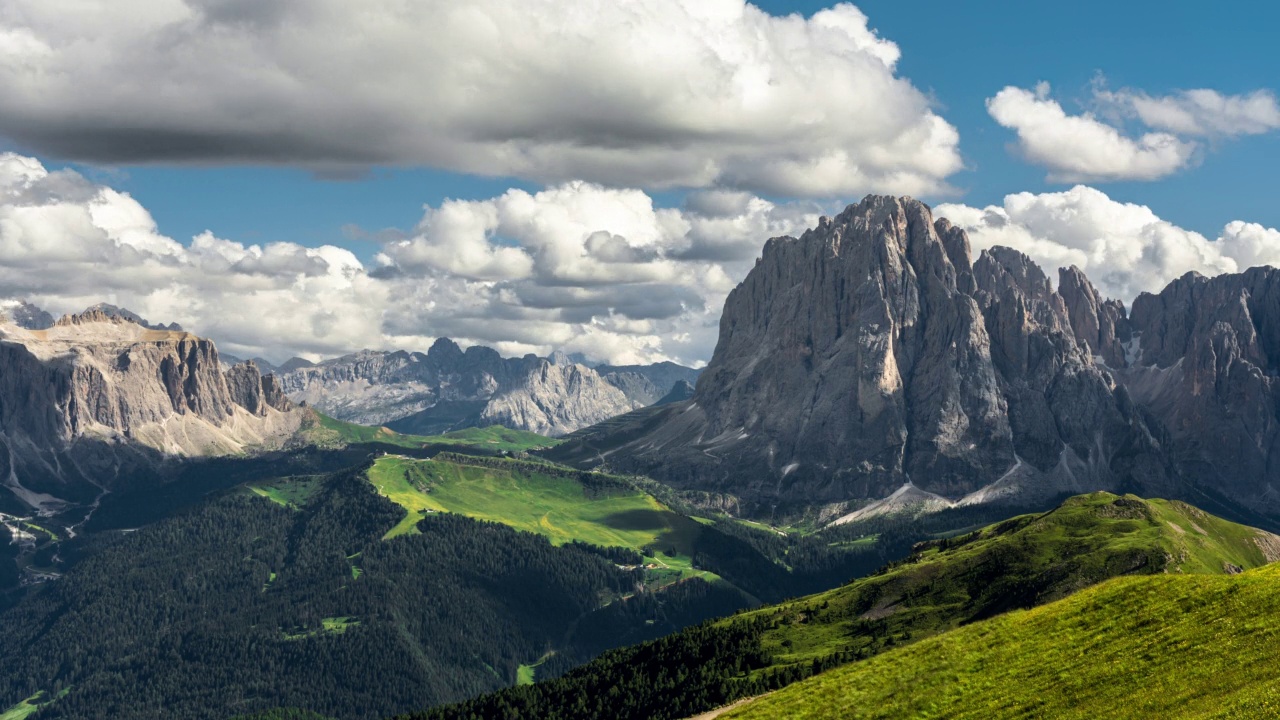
(223, 537)
(447, 388)
(875, 360)
(871, 366)
(102, 399)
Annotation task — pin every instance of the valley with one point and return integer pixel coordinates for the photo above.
(865, 485)
(358, 542)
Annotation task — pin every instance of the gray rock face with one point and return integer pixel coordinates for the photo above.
(1208, 368)
(869, 354)
(1101, 324)
(254, 391)
(679, 392)
(25, 315)
(111, 311)
(1074, 428)
(448, 389)
(647, 384)
(97, 379)
(552, 399)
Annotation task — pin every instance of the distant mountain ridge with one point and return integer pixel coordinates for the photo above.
(448, 388)
(94, 398)
(872, 354)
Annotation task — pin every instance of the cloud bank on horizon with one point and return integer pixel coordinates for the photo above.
(522, 272)
(603, 104)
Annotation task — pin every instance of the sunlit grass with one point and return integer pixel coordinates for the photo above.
(1163, 646)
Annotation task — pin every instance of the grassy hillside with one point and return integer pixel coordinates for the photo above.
(1144, 647)
(562, 505)
(1020, 563)
(322, 429)
(323, 445)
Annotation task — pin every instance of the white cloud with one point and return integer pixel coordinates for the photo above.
(66, 244)
(1077, 148)
(576, 266)
(1124, 248)
(1200, 112)
(647, 93)
(600, 271)
(1082, 147)
(1251, 244)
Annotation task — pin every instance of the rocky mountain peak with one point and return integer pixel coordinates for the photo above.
(1099, 324)
(559, 357)
(871, 353)
(445, 350)
(254, 391)
(293, 363)
(681, 391)
(25, 315)
(106, 312)
(91, 315)
(448, 389)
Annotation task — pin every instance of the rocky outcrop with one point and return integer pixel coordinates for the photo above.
(1100, 324)
(1074, 428)
(448, 388)
(679, 392)
(553, 399)
(870, 355)
(108, 310)
(647, 384)
(255, 392)
(1207, 367)
(25, 315)
(97, 379)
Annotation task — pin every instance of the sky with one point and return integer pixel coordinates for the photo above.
(310, 178)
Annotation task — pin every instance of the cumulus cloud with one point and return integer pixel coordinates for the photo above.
(67, 243)
(1082, 147)
(648, 93)
(577, 266)
(1124, 248)
(596, 270)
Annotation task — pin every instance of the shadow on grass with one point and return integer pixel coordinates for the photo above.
(638, 520)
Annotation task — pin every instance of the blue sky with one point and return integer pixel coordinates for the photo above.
(620, 163)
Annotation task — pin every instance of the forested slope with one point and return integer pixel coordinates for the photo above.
(244, 604)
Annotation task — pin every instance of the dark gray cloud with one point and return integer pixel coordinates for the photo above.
(648, 93)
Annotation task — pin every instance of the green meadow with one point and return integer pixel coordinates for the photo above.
(30, 706)
(327, 430)
(541, 499)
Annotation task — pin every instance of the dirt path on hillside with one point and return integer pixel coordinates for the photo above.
(711, 715)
